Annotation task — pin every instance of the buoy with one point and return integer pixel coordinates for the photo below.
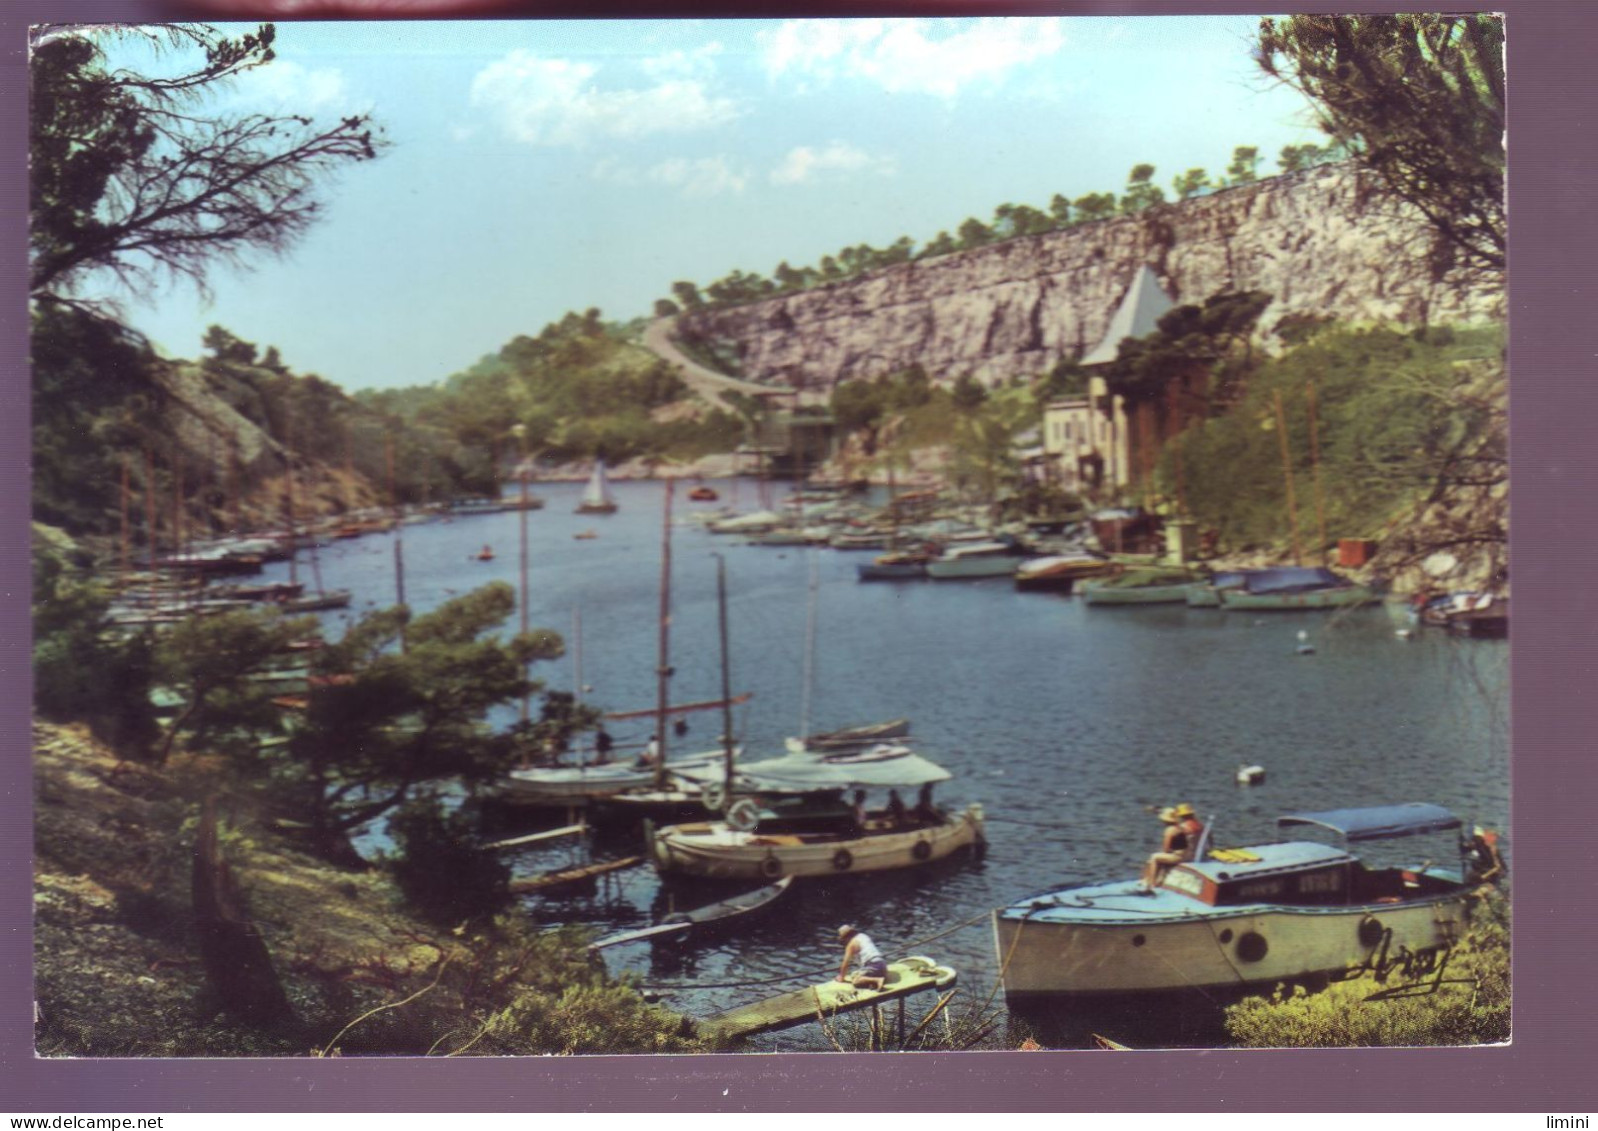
(1305, 648)
(1250, 775)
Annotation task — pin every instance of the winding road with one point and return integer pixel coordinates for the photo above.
(706, 382)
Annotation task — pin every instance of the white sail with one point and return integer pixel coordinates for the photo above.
(597, 497)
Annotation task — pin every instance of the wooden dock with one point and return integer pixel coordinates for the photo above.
(828, 999)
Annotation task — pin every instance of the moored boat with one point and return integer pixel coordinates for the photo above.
(597, 497)
(973, 560)
(703, 922)
(798, 824)
(1239, 919)
(1294, 587)
(1139, 587)
(901, 565)
(1059, 572)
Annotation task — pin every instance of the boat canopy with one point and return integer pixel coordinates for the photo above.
(1379, 822)
(807, 772)
(1284, 578)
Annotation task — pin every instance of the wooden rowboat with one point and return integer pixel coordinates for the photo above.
(703, 921)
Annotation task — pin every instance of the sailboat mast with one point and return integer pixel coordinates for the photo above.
(810, 647)
(726, 670)
(663, 664)
(288, 498)
(127, 558)
(522, 475)
(1315, 470)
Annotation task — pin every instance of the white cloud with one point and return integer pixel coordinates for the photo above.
(557, 102)
(804, 163)
(700, 63)
(285, 85)
(700, 176)
(910, 56)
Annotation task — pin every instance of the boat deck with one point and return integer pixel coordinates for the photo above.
(828, 999)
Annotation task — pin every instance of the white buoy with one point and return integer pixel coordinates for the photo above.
(1250, 775)
(1305, 648)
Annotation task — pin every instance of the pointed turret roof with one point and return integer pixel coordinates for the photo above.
(1137, 315)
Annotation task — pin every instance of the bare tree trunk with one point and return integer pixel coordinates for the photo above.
(238, 967)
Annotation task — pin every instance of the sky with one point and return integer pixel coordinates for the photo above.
(545, 167)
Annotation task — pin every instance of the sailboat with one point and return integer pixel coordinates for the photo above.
(570, 785)
(597, 497)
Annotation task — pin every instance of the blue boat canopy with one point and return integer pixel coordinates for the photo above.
(1379, 822)
(1283, 578)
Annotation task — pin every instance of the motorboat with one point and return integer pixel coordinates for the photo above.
(789, 817)
(1296, 587)
(1241, 919)
(1059, 572)
(974, 559)
(1139, 587)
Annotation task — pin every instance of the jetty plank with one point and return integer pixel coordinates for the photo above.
(828, 999)
(571, 875)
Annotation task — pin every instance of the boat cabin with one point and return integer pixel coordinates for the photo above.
(1309, 874)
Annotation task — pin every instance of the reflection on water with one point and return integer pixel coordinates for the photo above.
(1067, 722)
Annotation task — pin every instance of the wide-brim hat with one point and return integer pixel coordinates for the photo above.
(1169, 816)
(846, 930)
(1184, 810)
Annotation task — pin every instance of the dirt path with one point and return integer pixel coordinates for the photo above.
(706, 382)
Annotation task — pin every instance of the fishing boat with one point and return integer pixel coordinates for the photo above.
(702, 922)
(1240, 919)
(597, 497)
(1295, 587)
(973, 560)
(703, 494)
(1059, 572)
(899, 565)
(1207, 595)
(794, 821)
(1139, 587)
(856, 738)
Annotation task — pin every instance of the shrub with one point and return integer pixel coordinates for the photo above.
(445, 877)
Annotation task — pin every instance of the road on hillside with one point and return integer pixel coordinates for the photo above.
(706, 382)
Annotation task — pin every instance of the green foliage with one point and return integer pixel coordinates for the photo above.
(95, 406)
(1141, 191)
(209, 662)
(1190, 183)
(1471, 1007)
(1245, 165)
(82, 672)
(1211, 339)
(1094, 206)
(1396, 417)
(446, 878)
(405, 701)
(1296, 158)
(1417, 99)
(130, 178)
(974, 233)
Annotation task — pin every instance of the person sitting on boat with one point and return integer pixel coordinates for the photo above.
(896, 810)
(857, 809)
(1174, 849)
(651, 753)
(925, 812)
(859, 950)
(1192, 827)
(603, 744)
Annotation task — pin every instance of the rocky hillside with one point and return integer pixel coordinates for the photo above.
(1321, 242)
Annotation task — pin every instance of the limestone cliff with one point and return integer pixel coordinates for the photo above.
(1323, 242)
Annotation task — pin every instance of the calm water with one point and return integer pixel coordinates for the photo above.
(1065, 722)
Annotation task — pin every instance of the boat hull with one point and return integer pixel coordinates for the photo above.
(576, 785)
(892, 571)
(713, 851)
(1263, 946)
(1135, 595)
(1341, 597)
(964, 569)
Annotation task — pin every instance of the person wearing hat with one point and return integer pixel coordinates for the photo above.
(1174, 849)
(1192, 826)
(859, 949)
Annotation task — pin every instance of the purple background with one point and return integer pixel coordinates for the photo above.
(1554, 312)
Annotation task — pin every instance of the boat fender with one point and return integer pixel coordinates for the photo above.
(714, 795)
(771, 867)
(1370, 931)
(842, 860)
(1252, 947)
(743, 816)
(922, 849)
